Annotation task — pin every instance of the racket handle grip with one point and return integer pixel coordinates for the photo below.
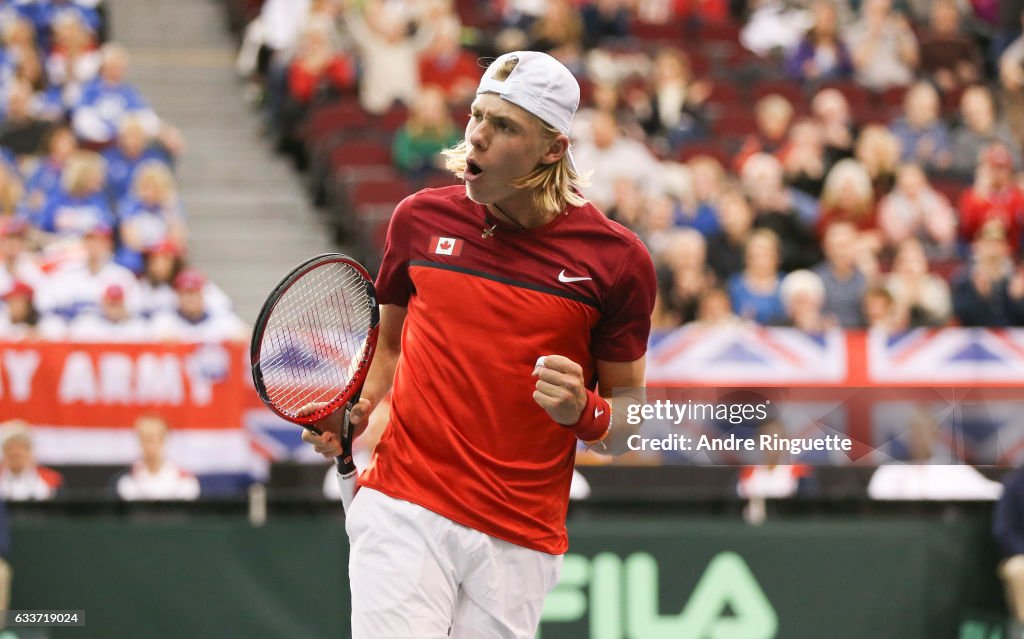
(347, 481)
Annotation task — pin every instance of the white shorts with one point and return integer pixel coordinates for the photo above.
(417, 575)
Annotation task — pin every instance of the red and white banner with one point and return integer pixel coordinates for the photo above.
(83, 399)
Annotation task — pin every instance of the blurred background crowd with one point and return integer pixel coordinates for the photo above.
(805, 163)
(93, 237)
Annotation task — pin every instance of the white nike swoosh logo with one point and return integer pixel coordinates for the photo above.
(563, 278)
(598, 413)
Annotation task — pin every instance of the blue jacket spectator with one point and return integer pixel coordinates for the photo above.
(133, 148)
(821, 55)
(80, 203)
(108, 98)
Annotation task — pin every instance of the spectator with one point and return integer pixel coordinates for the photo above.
(80, 204)
(774, 478)
(928, 475)
(994, 196)
(153, 476)
(1011, 88)
(922, 297)
(880, 312)
(417, 145)
(915, 209)
(151, 214)
(821, 56)
(804, 157)
(43, 183)
(108, 98)
(611, 157)
(133, 148)
(803, 300)
(755, 292)
(193, 320)
(848, 196)
(878, 151)
(782, 210)
(716, 309)
(17, 263)
(21, 478)
(390, 56)
(949, 58)
(675, 112)
(844, 281)
(163, 263)
(989, 292)
(707, 182)
(22, 131)
(19, 318)
(1008, 529)
(447, 65)
(923, 136)
(603, 21)
(558, 31)
(77, 285)
(883, 47)
(74, 61)
(725, 248)
(318, 71)
(980, 128)
(831, 109)
(685, 273)
(774, 113)
(112, 323)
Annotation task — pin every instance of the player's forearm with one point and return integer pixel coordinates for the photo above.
(381, 375)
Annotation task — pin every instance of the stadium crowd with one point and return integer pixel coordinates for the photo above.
(93, 236)
(807, 163)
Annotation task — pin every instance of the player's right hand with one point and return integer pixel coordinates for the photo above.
(328, 442)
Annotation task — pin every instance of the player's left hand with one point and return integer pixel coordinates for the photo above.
(560, 389)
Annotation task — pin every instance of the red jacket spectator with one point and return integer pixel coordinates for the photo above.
(994, 196)
(303, 79)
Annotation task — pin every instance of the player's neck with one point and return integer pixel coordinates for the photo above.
(518, 211)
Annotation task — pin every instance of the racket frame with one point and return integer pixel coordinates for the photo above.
(349, 395)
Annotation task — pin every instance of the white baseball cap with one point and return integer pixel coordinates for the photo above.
(539, 84)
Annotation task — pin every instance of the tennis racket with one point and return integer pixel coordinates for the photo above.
(312, 346)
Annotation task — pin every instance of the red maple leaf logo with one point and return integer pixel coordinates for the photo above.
(444, 246)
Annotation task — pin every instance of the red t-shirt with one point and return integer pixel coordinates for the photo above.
(1007, 206)
(465, 439)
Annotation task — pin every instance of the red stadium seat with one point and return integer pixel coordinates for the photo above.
(709, 148)
(393, 119)
(375, 191)
(657, 31)
(329, 119)
(786, 88)
(854, 93)
(735, 125)
(724, 93)
(362, 152)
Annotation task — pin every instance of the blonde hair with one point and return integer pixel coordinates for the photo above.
(157, 171)
(79, 166)
(554, 185)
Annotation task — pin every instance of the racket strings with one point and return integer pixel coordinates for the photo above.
(316, 337)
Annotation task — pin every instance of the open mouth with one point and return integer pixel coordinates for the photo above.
(473, 167)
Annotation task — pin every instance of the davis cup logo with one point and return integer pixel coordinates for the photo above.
(445, 246)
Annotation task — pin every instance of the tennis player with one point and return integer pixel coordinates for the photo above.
(504, 304)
